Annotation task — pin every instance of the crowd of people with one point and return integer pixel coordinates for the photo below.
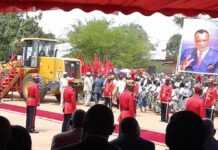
(190, 99)
(160, 92)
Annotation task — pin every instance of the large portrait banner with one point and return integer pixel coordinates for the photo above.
(198, 51)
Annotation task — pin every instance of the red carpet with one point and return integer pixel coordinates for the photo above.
(41, 113)
(145, 134)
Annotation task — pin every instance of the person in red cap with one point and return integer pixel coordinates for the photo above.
(210, 99)
(195, 103)
(127, 102)
(165, 98)
(69, 105)
(32, 101)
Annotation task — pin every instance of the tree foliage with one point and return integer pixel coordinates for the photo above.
(126, 46)
(179, 21)
(15, 26)
(174, 41)
(173, 46)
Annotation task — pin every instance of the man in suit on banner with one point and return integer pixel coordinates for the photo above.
(202, 58)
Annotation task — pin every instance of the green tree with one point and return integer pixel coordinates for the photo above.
(174, 41)
(173, 46)
(15, 26)
(179, 21)
(126, 46)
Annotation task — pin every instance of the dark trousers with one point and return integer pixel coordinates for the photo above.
(30, 118)
(209, 113)
(164, 112)
(97, 97)
(108, 102)
(66, 122)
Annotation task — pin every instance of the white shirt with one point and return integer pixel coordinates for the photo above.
(87, 84)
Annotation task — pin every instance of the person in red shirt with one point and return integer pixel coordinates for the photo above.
(69, 105)
(210, 99)
(165, 98)
(127, 102)
(195, 103)
(108, 90)
(33, 100)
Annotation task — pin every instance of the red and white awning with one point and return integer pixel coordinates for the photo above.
(146, 7)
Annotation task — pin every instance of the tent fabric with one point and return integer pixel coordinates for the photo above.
(146, 7)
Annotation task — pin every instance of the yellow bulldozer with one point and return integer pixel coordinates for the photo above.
(39, 57)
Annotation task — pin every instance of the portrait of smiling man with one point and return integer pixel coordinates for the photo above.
(201, 58)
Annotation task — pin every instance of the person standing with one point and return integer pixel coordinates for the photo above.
(87, 88)
(121, 84)
(127, 102)
(33, 100)
(141, 101)
(114, 97)
(108, 90)
(98, 84)
(210, 99)
(136, 88)
(195, 103)
(63, 84)
(165, 98)
(69, 105)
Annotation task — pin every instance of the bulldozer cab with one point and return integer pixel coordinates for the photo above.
(33, 48)
(72, 68)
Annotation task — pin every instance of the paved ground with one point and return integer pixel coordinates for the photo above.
(48, 128)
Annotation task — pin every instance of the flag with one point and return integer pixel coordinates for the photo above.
(108, 67)
(96, 64)
(82, 65)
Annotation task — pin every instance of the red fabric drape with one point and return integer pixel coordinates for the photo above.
(146, 7)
